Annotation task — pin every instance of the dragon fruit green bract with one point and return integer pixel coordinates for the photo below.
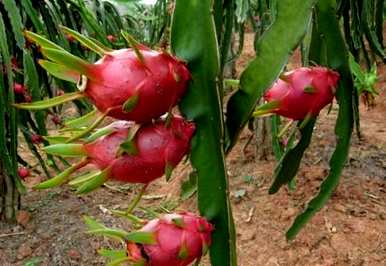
(179, 240)
(302, 92)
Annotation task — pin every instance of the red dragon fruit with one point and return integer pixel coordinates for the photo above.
(154, 150)
(300, 93)
(36, 139)
(154, 85)
(19, 88)
(23, 172)
(179, 240)
(136, 84)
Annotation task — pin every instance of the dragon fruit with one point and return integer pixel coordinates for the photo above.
(157, 147)
(300, 93)
(179, 240)
(136, 84)
(19, 88)
(23, 172)
(129, 154)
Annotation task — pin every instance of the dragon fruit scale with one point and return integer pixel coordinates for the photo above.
(180, 239)
(301, 92)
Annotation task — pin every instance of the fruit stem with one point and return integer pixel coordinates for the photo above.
(285, 129)
(136, 200)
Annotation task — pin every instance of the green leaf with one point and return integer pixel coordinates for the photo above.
(61, 178)
(60, 71)
(272, 52)
(198, 47)
(139, 237)
(66, 150)
(189, 187)
(44, 104)
(32, 14)
(95, 182)
(70, 61)
(83, 178)
(82, 121)
(17, 25)
(113, 254)
(289, 164)
(131, 103)
(86, 42)
(327, 30)
(41, 41)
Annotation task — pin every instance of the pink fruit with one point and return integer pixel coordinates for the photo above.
(56, 120)
(19, 88)
(153, 86)
(27, 98)
(156, 147)
(23, 172)
(179, 240)
(303, 91)
(111, 38)
(36, 139)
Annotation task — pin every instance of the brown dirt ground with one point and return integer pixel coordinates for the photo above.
(350, 230)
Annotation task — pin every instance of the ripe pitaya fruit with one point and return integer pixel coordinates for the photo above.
(23, 172)
(19, 88)
(300, 93)
(121, 154)
(36, 139)
(136, 84)
(179, 239)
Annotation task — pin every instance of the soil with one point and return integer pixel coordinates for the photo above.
(349, 230)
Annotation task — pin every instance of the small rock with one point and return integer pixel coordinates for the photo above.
(340, 208)
(23, 217)
(24, 251)
(74, 254)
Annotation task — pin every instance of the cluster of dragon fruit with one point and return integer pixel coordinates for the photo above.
(139, 88)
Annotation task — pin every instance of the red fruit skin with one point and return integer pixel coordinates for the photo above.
(19, 88)
(27, 98)
(192, 235)
(56, 120)
(23, 172)
(159, 82)
(157, 146)
(36, 139)
(111, 38)
(293, 101)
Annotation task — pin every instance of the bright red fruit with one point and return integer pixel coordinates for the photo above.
(150, 87)
(56, 120)
(111, 38)
(19, 88)
(303, 91)
(156, 149)
(180, 239)
(23, 172)
(36, 139)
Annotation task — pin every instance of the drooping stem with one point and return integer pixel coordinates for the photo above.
(136, 200)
